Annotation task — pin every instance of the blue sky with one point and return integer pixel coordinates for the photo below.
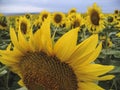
(31, 6)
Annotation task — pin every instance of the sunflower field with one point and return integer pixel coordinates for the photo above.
(60, 51)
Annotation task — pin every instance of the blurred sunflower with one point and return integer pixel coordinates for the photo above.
(58, 18)
(37, 24)
(118, 34)
(28, 16)
(66, 24)
(77, 21)
(116, 12)
(62, 66)
(107, 42)
(111, 20)
(24, 25)
(72, 10)
(3, 22)
(44, 14)
(95, 19)
(118, 22)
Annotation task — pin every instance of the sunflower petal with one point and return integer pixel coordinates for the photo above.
(20, 82)
(85, 47)
(66, 44)
(14, 37)
(35, 40)
(45, 36)
(85, 52)
(95, 69)
(91, 56)
(32, 42)
(107, 77)
(88, 86)
(22, 41)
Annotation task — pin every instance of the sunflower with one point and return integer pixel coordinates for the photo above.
(107, 42)
(36, 24)
(64, 65)
(118, 22)
(95, 19)
(111, 20)
(3, 22)
(66, 24)
(58, 18)
(116, 12)
(77, 21)
(28, 16)
(24, 25)
(72, 10)
(44, 14)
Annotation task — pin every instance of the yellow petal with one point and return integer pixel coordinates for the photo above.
(36, 40)
(32, 42)
(107, 77)
(8, 61)
(87, 58)
(91, 78)
(22, 41)
(86, 77)
(20, 82)
(93, 55)
(42, 37)
(14, 37)
(8, 47)
(14, 53)
(88, 86)
(95, 69)
(45, 36)
(87, 46)
(66, 44)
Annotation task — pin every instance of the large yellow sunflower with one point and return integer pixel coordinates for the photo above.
(64, 65)
(95, 19)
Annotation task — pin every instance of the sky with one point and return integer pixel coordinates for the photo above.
(35, 6)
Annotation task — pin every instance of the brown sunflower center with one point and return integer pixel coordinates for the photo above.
(73, 11)
(44, 16)
(23, 27)
(58, 18)
(76, 24)
(3, 24)
(27, 16)
(42, 72)
(116, 11)
(95, 17)
(110, 19)
(3, 21)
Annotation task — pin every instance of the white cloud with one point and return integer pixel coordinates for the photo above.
(20, 9)
(23, 6)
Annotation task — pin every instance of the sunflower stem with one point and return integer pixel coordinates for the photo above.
(54, 35)
(7, 80)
